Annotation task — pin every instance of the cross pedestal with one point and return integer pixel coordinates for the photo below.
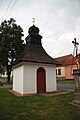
(76, 73)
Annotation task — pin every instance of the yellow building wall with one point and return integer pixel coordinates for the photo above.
(62, 69)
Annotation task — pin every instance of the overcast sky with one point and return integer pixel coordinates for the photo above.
(58, 21)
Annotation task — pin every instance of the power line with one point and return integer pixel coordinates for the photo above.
(7, 9)
(11, 8)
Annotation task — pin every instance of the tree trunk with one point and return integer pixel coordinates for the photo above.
(8, 73)
(8, 78)
(9, 69)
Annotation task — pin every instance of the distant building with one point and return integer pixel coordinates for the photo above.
(35, 71)
(3, 72)
(64, 71)
(70, 65)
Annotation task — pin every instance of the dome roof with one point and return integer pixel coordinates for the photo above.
(35, 53)
(33, 29)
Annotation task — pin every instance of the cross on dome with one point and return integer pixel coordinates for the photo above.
(33, 21)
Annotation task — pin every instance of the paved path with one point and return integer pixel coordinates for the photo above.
(6, 86)
(60, 86)
(66, 86)
(63, 88)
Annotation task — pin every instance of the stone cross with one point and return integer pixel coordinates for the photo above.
(76, 46)
(76, 73)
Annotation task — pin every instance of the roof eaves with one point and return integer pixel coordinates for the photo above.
(45, 62)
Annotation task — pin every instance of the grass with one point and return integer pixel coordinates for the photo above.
(37, 107)
(66, 81)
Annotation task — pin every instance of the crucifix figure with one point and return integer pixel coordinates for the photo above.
(76, 46)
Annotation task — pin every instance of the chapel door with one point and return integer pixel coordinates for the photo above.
(41, 80)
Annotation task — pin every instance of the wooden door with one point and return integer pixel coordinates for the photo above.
(41, 80)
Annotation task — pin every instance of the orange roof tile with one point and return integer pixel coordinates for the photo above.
(64, 59)
(72, 61)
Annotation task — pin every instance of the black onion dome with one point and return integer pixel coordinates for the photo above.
(34, 52)
(33, 29)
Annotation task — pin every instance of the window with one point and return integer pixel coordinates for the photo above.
(56, 71)
(59, 71)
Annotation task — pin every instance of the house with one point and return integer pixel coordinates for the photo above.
(70, 65)
(63, 71)
(3, 72)
(35, 71)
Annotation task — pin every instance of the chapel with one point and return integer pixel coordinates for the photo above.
(35, 71)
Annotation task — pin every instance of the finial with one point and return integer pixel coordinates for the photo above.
(33, 21)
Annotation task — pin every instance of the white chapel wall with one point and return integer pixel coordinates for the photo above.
(30, 77)
(29, 84)
(50, 78)
(18, 79)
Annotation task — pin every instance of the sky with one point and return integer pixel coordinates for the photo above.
(58, 21)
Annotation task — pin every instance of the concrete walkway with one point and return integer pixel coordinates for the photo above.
(66, 86)
(63, 88)
(55, 93)
(6, 86)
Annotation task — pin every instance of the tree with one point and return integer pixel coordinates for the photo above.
(11, 44)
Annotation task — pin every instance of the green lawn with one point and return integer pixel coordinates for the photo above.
(66, 81)
(37, 107)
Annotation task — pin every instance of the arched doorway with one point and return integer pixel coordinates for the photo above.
(41, 80)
